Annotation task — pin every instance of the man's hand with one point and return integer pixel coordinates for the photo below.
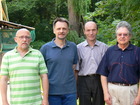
(45, 102)
(137, 101)
(108, 99)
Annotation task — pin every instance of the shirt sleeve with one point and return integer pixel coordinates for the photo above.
(75, 56)
(103, 66)
(42, 66)
(138, 58)
(79, 61)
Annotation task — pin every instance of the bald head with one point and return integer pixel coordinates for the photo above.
(90, 31)
(22, 30)
(90, 23)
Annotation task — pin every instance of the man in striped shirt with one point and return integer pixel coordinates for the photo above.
(24, 67)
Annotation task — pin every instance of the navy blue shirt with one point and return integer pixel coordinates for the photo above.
(59, 62)
(121, 66)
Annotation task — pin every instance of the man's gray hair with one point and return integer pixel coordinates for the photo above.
(124, 24)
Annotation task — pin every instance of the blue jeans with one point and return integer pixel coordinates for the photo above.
(67, 99)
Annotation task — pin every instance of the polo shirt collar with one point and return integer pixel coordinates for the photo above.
(54, 45)
(86, 43)
(30, 49)
(130, 47)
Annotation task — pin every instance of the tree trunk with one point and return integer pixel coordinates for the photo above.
(74, 18)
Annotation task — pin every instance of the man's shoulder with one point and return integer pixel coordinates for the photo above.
(81, 44)
(48, 44)
(111, 48)
(101, 43)
(10, 52)
(71, 43)
(135, 48)
(35, 50)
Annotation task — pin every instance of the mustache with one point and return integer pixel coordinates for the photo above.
(25, 43)
(61, 33)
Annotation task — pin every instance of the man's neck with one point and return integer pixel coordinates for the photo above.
(60, 43)
(91, 43)
(22, 52)
(123, 46)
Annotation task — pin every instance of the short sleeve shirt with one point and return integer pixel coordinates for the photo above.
(121, 66)
(24, 74)
(59, 62)
(90, 57)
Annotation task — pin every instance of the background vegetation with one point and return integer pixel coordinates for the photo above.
(107, 13)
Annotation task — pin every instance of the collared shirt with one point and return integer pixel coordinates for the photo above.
(90, 57)
(24, 74)
(121, 66)
(59, 62)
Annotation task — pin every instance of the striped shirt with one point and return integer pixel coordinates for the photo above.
(24, 74)
(90, 57)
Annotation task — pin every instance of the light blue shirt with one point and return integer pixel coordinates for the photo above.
(90, 57)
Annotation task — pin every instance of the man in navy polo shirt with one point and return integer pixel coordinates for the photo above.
(61, 58)
(120, 69)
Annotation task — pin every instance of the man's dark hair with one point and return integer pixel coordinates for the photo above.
(60, 19)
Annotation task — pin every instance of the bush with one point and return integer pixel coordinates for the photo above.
(37, 44)
(73, 36)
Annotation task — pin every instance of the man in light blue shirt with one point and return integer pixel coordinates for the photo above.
(90, 53)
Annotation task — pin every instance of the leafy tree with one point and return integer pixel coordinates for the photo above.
(131, 12)
(76, 9)
(109, 12)
(35, 13)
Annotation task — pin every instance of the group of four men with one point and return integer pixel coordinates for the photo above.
(111, 74)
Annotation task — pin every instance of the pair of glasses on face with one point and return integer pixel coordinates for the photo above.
(24, 37)
(124, 35)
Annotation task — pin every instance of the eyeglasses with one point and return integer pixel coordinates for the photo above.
(125, 35)
(22, 37)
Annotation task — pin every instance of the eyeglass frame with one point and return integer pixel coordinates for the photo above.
(125, 35)
(22, 37)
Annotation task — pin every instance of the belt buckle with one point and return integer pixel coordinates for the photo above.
(124, 84)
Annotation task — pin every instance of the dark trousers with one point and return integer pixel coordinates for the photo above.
(90, 90)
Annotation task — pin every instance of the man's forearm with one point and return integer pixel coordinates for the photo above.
(3, 89)
(104, 84)
(45, 86)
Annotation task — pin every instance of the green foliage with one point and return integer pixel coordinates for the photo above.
(106, 31)
(81, 6)
(109, 12)
(73, 36)
(131, 10)
(61, 8)
(40, 14)
(44, 32)
(35, 13)
(37, 44)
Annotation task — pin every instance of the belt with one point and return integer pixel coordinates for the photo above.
(89, 75)
(121, 84)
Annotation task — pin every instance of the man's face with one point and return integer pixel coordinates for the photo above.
(90, 31)
(23, 39)
(61, 30)
(123, 36)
